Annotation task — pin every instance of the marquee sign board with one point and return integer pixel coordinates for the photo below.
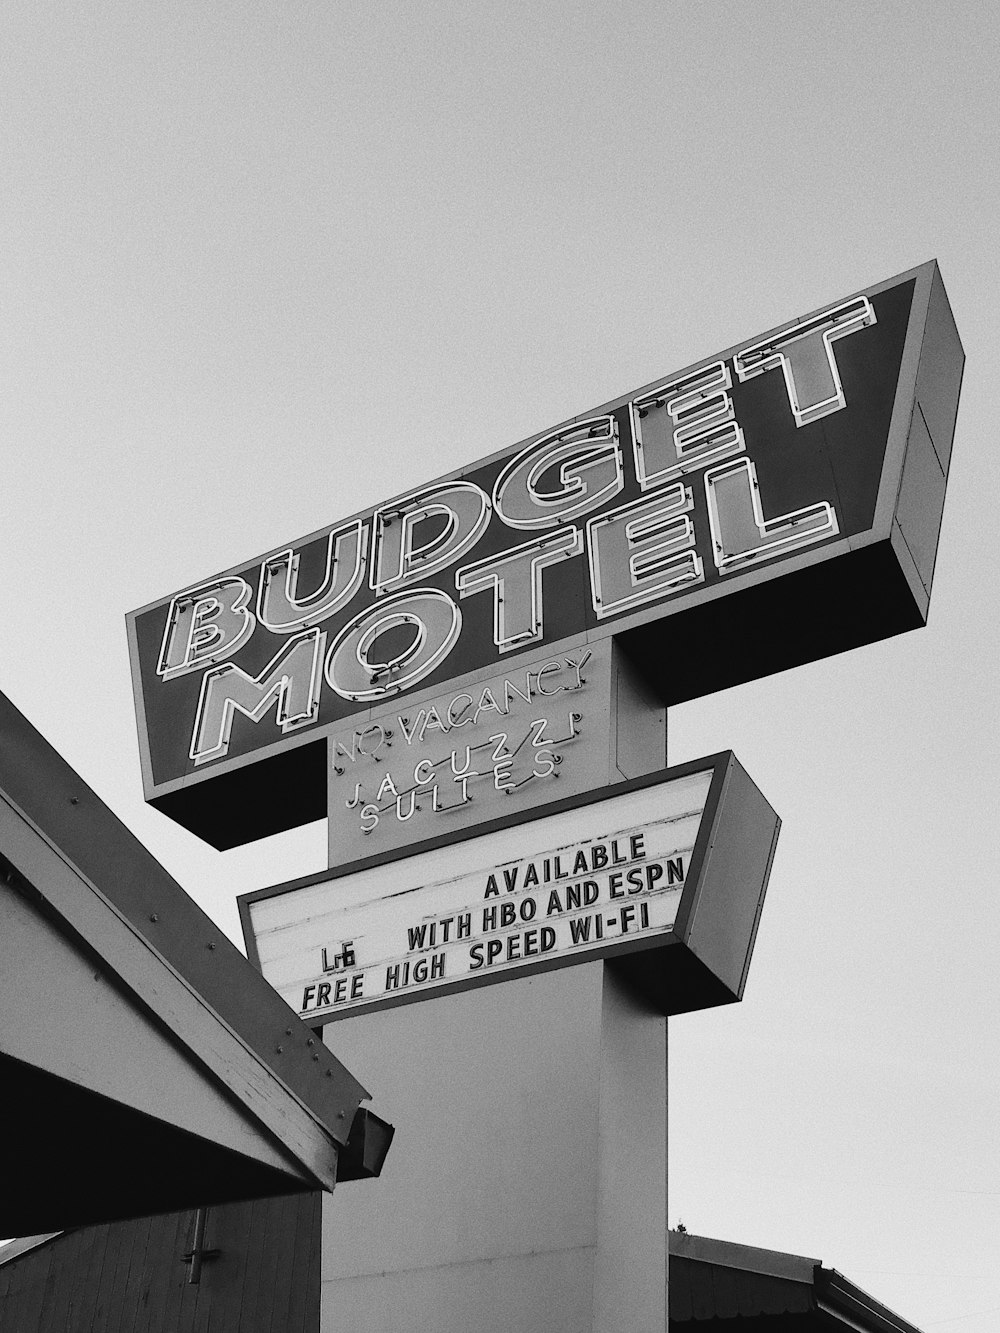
(665, 874)
(772, 504)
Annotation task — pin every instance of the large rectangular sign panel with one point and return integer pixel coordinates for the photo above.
(594, 877)
(783, 495)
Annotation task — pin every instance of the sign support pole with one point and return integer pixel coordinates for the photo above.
(527, 1190)
(527, 1187)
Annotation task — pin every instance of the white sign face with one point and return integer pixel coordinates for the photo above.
(471, 755)
(594, 880)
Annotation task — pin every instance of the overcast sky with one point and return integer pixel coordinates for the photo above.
(266, 264)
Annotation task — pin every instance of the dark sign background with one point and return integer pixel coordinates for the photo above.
(686, 645)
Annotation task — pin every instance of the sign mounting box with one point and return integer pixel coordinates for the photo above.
(771, 505)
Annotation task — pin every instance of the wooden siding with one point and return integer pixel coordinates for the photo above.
(130, 1277)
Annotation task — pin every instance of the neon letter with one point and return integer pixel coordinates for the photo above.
(805, 354)
(683, 424)
(741, 535)
(643, 551)
(589, 460)
(354, 670)
(280, 608)
(204, 625)
(291, 679)
(516, 579)
(398, 561)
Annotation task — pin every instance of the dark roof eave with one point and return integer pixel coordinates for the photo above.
(837, 1296)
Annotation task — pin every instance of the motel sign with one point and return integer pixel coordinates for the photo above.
(470, 682)
(782, 497)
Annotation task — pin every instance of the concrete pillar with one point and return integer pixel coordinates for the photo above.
(525, 1191)
(526, 1187)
